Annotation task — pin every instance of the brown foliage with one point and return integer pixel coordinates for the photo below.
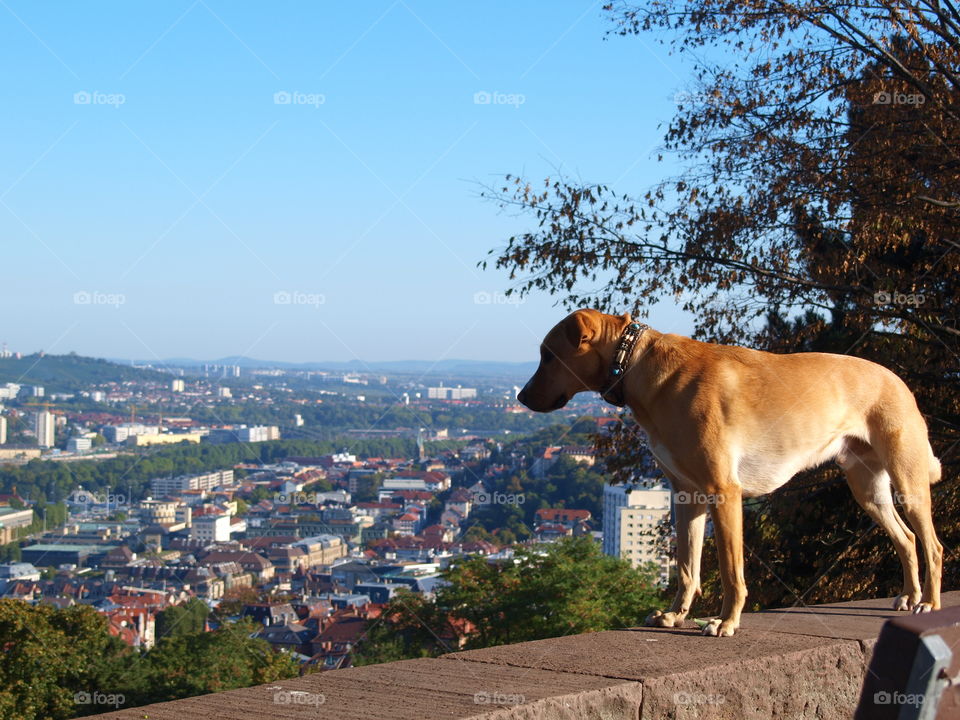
(817, 209)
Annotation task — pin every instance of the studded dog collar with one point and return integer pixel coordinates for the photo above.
(613, 390)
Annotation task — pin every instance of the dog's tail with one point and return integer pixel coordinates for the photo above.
(935, 472)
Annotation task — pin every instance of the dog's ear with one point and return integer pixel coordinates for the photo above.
(582, 327)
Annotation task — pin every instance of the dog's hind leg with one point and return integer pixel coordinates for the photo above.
(691, 518)
(870, 485)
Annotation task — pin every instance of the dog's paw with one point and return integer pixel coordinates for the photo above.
(905, 602)
(923, 607)
(719, 628)
(658, 618)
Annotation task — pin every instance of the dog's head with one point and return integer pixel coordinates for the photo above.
(574, 357)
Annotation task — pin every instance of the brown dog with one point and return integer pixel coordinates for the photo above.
(726, 423)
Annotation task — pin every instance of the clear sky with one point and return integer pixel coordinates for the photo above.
(299, 180)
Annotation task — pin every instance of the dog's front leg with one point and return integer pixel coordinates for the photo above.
(691, 517)
(726, 509)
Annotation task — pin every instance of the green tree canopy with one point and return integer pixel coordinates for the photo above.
(549, 590)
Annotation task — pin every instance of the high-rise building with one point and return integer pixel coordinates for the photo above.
(45, 429)
(3, 430)
(631, 515)
(176, 385)
(224, 392)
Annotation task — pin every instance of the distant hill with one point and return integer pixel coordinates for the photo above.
(69, 373)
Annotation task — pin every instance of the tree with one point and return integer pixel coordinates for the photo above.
(820, 175)
(50, 655)
(186, 619)
(548, 590)
(199, 663)
(233, 600)
(816, 209)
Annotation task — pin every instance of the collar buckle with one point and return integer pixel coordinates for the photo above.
(612, 392)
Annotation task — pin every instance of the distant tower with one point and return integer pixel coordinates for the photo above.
(3, 430)
(421, 452)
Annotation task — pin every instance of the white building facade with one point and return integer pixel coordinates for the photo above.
(631, 515)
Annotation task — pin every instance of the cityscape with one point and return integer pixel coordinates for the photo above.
(338, 491)
(485, 361)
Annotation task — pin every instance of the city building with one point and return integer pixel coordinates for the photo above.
(164, 438)
(79, 444)
(211, 528)
(19, 453)
(177, 386)
(56, 554)
(120, 433)
(45, 424)
(161, 487)
(448, 393)
(631, 515)
(242, 433)
(16, 571)
(167, 513)
(3, 430)
(12, 520)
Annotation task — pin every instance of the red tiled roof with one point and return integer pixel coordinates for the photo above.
(566, 515)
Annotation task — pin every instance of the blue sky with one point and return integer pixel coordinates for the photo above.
(299, 180)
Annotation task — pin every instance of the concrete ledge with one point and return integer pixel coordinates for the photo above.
(795, 662)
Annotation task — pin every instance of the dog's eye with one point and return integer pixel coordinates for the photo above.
(545, 356)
